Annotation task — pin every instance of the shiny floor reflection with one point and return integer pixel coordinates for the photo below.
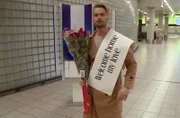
(159, 61)
(157, 88)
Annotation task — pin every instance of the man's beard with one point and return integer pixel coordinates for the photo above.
(100, 25)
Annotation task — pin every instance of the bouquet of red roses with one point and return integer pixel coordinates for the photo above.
(77, 43)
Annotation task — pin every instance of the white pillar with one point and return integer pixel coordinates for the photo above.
(150, 22)
(166, 26)
(160, 21)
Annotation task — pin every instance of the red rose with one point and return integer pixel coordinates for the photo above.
(76, 34)
(71, 36)
(81, 33)
(85, 34)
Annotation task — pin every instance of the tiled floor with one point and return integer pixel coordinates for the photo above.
(156, 93)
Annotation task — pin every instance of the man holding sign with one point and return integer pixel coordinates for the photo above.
(109, 51)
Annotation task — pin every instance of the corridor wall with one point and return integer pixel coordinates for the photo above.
(27, 43)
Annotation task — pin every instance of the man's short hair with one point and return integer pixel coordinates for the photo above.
(102, 6)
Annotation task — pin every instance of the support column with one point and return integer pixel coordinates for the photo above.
(150, 22)
(166, 26)
(160, 21)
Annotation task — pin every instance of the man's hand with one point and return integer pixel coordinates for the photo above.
(81, 83)
(123, 94)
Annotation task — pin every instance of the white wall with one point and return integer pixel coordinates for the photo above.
(26, 42)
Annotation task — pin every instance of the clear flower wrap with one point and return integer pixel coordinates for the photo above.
(77, 43)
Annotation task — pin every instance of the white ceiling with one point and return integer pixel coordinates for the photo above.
(175, 5)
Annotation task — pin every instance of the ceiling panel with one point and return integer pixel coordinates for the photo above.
(175, 4)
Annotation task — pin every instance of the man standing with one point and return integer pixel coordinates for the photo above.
(101, 104)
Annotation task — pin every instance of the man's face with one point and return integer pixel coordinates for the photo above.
(100, 17)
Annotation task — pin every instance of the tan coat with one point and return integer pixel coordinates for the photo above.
(102, 105)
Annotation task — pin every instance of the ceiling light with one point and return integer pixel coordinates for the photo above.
(162, 4)
(142, 11)
(128, 1)
(131, 7)
(169, 6)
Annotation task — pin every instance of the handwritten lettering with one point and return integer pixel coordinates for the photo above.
(111, 44)
(115, 56)
(111, 68)
(102, 67)
(105, 65)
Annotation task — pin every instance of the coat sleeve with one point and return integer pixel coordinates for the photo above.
(131, 67)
